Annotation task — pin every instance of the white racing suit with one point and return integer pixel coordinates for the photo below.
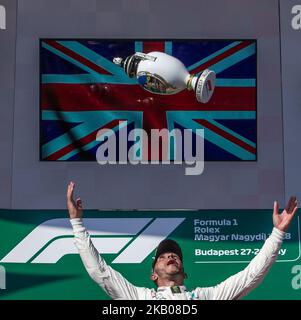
(117, 287)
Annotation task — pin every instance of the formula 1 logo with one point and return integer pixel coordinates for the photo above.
(2, 18)
(133, 238)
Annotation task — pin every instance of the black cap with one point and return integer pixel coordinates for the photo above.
(168, 245)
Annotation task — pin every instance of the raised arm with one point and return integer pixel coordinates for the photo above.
(243, 282)
(111, 281)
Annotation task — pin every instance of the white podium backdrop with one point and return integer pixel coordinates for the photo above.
(31, 184)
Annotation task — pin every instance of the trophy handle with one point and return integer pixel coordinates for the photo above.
(130, 64)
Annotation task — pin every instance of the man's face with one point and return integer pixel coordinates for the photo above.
(168, 263)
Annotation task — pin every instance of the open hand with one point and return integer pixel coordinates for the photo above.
(75, 207)
(283, 220)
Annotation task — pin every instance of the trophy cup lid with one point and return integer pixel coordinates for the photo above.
(204, 86)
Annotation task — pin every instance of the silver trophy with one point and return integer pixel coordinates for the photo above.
(160, 73)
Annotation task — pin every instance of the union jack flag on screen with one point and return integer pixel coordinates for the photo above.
(83, 91)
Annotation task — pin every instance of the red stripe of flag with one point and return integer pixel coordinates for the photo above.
(80, 97)
(149, 46)
(83, 141)
(226, 135)
(77, 57)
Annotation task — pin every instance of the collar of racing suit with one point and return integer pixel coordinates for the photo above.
(172, 289)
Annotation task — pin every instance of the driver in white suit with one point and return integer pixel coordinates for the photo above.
(168, 271)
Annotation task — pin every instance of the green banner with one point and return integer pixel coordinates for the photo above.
(38, 259)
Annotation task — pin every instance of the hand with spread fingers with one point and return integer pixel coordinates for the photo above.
(75, 207)
(283, 220)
